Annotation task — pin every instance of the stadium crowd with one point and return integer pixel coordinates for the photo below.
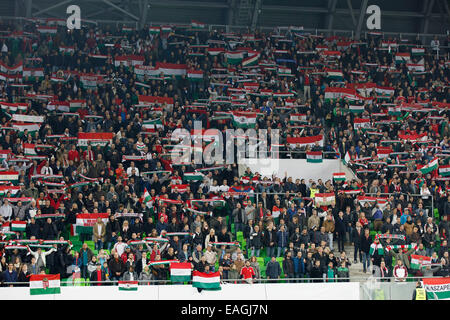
(89, 191)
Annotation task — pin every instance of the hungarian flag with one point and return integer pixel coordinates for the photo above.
(376, 247)
(417, 51)
(195, 75)
(324, 199)
(244, 119)
(94, 138)
(154, 30)
(28, 149)
(153, 125)
(304, 141)
(45, 284)
(314, 156)
(171, 69)
(47, 29)
(152, 100)
(197, 25)
(180, 272)
(13, 107)
(128, 285)
(297, 117)
(339, 176)
(85, 221)
(251, 60)
(437, 288)
(215, 51)
(356, 109)
(332, 93)
(234, 57)
(9, 176)
(335, 75)
(206, 281)
(361, 123)
(18, 225)
(33, 73)
(5, 189)
(383, 152)
(147, 198)
(402, 57)
(431, 166)
(180, 187)
(193, 176)
(418, 261)
(444, 171)
(414, 137)
(415, 67)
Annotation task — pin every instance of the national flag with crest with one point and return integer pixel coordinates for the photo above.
(45, 284)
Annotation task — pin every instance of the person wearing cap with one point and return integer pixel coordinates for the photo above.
(98, 275)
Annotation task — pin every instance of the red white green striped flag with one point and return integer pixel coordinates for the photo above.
(298, 117)
(45, 284)
(444, 171)
(244, 119)
(324, 199)
(195, 75)
(154, 30)
(314, 156)
(304, 141)
(147, 198)
(18, 225)
(128, 285)
(197, 25)
(47, 29)
(206, 281)
(418, 261)
(339, 176)
(431, 166)
(28, 149)
(9, 176)
(94, 138)
(417, 51)
(180, 272)
(437, 288)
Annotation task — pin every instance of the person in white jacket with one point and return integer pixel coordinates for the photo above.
(40, 256)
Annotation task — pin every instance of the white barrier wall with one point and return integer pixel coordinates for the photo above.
(295, 168)
(293, 291)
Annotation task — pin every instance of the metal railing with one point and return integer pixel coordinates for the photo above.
(82, 281)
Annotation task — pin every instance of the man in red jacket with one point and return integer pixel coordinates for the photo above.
(247, 273)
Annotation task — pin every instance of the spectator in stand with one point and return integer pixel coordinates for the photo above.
(273, 269)
(400, 272)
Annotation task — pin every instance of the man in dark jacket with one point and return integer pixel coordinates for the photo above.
(112, 229)
(340, 230)
(116, 267)
(98, 275)
(366, 241)
(273, 269)
(288, 266)
(270, 240)
(357, 235)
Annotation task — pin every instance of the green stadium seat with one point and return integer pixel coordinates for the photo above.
(266, 260)
(260, 260)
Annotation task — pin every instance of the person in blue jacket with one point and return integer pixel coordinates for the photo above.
(299, 266)
(282, 240)
(10, 275)
(273, 269)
